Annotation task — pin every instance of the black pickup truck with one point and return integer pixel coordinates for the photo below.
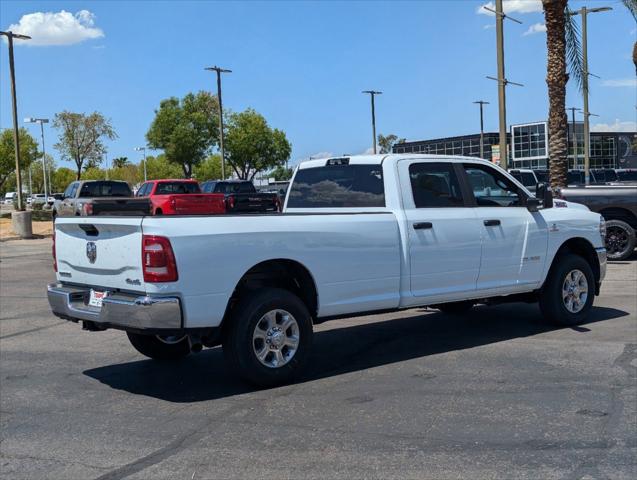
(242, 197)
(618, 205)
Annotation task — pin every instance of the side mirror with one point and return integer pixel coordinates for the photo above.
(532, 204)
(544, 195)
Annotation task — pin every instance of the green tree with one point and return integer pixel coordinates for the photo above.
(128, 173)
(37, 175)
(252, 146)
(159, 167)
(386, 142)
(81, 138)
(94, 173)
(209, 169)
(120, 162)
(61, 179)
(281, 173)
(186, 130)
(28, 153)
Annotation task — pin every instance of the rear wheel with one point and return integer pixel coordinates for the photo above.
(160, 347)
(269, 338)
(620, 240)
(455, 308)
(567, 295)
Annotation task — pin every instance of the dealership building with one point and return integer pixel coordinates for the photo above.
(527, 146)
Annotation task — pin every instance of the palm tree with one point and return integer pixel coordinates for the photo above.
(631, 5)
(555, 16)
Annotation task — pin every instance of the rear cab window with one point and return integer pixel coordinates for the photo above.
(105, 189)
(338, 186)
(170, 188)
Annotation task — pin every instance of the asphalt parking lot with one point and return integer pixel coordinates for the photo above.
(493, 394)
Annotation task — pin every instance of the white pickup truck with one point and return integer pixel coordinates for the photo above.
(357, 235)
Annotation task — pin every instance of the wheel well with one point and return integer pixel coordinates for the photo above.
(280, 273)
(583, 248)
(619, 214)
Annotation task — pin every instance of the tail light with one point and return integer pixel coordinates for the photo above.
(87, 209)
(230, 202)
(158, 260)
(55, 259)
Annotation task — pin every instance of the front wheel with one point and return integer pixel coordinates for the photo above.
(567, 295)
(160, 347)
(269, 338)
(620, 240)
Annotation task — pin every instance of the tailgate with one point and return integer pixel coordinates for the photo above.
(255, 202)
(100, 251)
(198, 203)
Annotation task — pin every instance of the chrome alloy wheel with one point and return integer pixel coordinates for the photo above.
(575, 291)
(170, 339)
(276, 338)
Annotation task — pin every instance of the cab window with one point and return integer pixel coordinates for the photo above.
(491, 188)
(435, 185)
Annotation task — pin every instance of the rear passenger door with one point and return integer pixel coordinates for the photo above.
(514, 240)
(443, 232)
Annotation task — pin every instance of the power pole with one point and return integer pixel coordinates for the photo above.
(573, 110)
(481, 103)
(501, 78)
(16, 136)
(219, 71)
(584, 13)
(372, 94)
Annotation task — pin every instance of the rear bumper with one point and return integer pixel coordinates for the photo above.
(122, 311)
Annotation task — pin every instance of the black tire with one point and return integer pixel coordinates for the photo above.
(552, 302)
(239, 345)
(456, 308)
(620, 240)
(157, 349)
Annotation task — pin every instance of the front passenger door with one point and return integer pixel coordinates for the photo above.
(514, 240)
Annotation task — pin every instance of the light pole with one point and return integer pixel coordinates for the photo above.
(501, 78)
(140, 149)
(481, 103)
(372, 94)
(584, 13)
(42, 121)
(219, 71)
(573, 110)
(16, 136)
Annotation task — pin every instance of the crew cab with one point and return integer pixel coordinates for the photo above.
(357, 235)
(242, 197)
(175, 197)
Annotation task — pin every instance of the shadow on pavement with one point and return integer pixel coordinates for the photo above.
(204, 376)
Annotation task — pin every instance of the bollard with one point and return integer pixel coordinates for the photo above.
(21, 224)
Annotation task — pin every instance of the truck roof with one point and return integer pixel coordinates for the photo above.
(383, 158)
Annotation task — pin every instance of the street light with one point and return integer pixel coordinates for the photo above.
(584, 13)
(42, 121)
(481, 103)
(140, 149)
(372, 94)
(219, 71)
(16, 137)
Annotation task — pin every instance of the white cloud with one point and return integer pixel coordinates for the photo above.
(60, 28)
(614, 127)
(488, 26)
(369, 151)
(321, 155)
(512, 6)
(535, 28)
(620, 82)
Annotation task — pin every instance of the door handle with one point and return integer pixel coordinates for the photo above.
(491, 223)
(422, 225)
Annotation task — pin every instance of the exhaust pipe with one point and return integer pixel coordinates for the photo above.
(195, 343)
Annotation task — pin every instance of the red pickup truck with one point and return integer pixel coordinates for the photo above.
(181, 197)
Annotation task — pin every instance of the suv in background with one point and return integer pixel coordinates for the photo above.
(525, 177)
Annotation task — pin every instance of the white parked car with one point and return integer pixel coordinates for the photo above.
(38, 199)
(9, 197)
(357, 234)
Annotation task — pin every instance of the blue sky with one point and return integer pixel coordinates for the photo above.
(303, 66)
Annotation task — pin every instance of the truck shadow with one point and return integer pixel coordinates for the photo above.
(336, 351)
